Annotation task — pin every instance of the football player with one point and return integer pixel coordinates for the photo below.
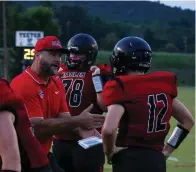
(76, 76)
(141, 105)
(19, 149)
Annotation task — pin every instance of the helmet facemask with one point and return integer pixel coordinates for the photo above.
(79, 60)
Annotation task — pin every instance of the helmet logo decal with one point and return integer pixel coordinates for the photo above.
(73, 48)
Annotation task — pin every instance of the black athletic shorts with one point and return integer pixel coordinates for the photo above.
(139, 160)
(73, 158)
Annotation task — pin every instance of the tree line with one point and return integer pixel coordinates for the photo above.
(65, 20)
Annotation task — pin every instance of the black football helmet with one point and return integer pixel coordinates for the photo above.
(131, 53)
(81, 44)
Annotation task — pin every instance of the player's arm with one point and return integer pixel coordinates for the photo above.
(185, 123)
(9, 149)
(110, 127)
(113, 96)
(98, 84)
(100, 102)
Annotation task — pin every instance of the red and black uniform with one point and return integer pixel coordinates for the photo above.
(33, 158)
(80, 93)
(147, 100)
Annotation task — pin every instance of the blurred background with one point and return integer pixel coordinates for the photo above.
(168, 26)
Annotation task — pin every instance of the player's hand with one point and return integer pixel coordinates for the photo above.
(95, 70)
(166, 155)
(167, 150)
(88, 133)
(90, 121)
(114, 151)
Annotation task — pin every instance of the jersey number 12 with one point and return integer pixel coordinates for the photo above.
(155, 121)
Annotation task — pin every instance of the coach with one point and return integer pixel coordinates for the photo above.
(44, 95)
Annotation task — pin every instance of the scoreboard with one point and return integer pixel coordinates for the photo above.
(28, 56)
(28, 53)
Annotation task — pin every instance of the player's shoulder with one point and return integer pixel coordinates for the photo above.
(63, 67)
(114, 83)
(5, 86)
(3, 81)
(6, 92)
(163, 73)
(165, 76)
(105, 68)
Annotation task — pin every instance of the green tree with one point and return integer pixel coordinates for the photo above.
(73, 20)
(41, 18)
(36, 18)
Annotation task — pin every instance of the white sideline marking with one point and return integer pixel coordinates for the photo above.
(172, 159)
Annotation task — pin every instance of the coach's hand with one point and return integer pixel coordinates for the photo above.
(114, 151)
(90, 121)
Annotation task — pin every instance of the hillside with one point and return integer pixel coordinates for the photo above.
(134, 11)
(164, 28)
(126, 11)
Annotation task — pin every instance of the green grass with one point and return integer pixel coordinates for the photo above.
(160, 59)
(186, 151)
(182, 65)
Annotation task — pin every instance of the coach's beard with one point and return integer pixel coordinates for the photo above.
(49, 70)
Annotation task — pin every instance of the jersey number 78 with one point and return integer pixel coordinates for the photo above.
(77, 86)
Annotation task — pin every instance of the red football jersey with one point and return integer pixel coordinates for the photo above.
(80, 92)
(31, 152)
(147, 100)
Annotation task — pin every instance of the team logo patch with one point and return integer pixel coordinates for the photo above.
(41, 94)
(56, 43)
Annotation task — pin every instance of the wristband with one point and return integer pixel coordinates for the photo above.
(98, 84)
(177, 136)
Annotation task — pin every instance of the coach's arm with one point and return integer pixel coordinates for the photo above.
(65, 122)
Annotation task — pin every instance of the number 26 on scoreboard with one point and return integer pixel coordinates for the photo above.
(28, 54)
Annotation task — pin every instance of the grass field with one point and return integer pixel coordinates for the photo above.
(182, 65)
(186, 152)
(160, 59)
